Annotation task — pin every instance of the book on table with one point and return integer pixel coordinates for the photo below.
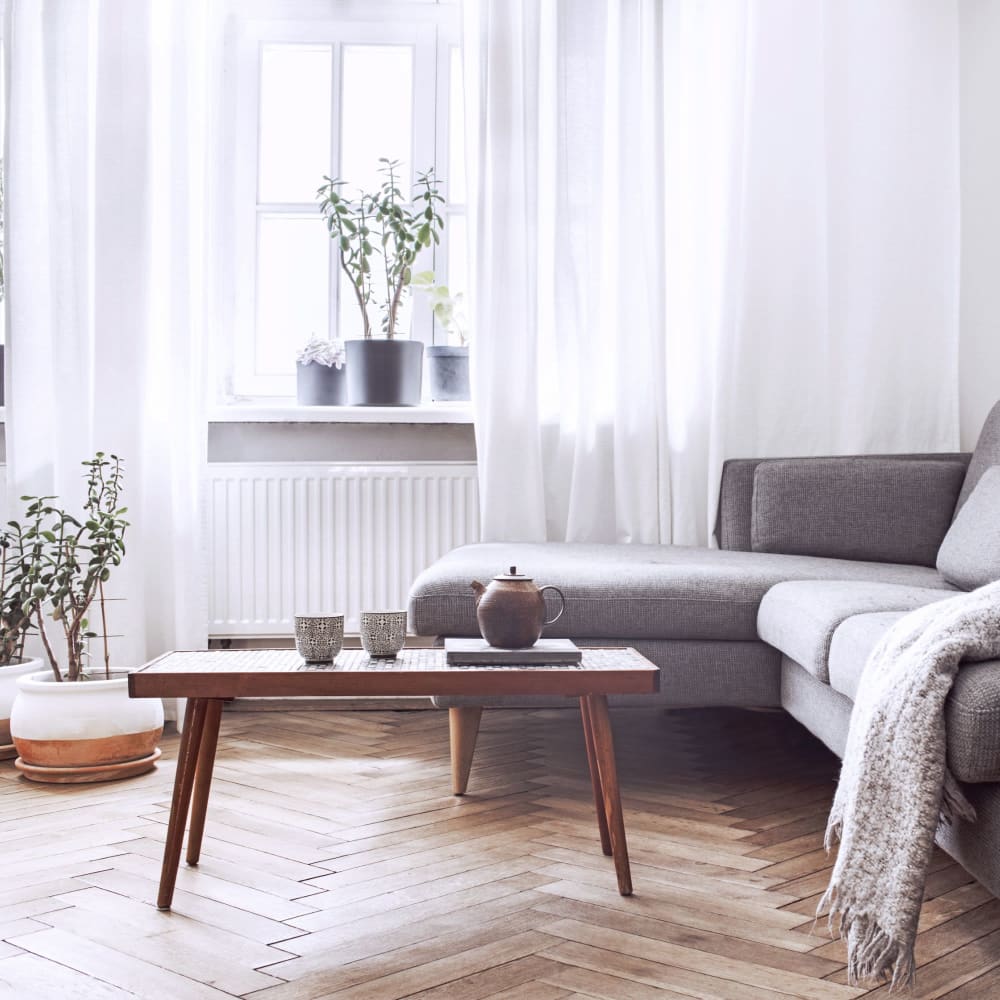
(479, 653)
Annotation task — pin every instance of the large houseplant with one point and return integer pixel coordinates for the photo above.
(75, 722)
(447, 364)
(378, 237)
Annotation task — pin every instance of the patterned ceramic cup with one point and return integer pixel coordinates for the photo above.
(383, 633)
(319, 638)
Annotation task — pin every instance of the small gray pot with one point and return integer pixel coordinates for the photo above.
(384, 372)
(448, 373)
(319, 385)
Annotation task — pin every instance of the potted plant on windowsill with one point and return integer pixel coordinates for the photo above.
(321, 379)
(74, 723)
(447, 364)
(17, 609)
(382, 226)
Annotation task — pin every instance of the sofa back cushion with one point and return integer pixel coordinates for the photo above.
(969, 556)
(986, 455)
(871, 509)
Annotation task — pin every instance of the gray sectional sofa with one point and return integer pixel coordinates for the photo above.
(817, 558)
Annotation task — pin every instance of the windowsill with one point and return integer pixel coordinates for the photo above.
(288, 413)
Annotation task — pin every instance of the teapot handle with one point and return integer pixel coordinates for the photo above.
(562, 600)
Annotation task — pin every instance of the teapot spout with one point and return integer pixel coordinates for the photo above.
(478, 589)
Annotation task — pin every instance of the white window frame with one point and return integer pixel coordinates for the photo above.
(432, 30)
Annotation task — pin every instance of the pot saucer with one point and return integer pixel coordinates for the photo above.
(96, 772)
(7, 751)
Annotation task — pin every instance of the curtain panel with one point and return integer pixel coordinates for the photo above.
(105, 165)
(703, 229)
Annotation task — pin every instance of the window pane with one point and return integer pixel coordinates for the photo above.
(456, 280)
(377, 113)
(456, 131)
(293, 289)
(295, 121)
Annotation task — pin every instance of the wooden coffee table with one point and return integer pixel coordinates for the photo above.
(208, 678)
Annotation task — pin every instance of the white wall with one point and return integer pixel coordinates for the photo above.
(980, 174)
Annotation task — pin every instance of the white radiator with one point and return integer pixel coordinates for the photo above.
(322, 538)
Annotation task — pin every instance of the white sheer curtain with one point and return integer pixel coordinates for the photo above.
(105, 167)
(704, 229)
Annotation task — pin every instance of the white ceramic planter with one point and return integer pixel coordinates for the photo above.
(83, 731)
(8, 691)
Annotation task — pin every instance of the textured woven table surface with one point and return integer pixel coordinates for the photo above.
(356, 660)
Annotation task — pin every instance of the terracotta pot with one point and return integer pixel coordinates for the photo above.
(83, 731)
(8, 691)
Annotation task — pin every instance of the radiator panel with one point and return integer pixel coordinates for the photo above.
(322, 538)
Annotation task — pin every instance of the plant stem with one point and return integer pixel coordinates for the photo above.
(358, 296)
(48, 648)
(104, 630)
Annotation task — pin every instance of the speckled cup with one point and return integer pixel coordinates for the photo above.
(319, 638)
(383, 633)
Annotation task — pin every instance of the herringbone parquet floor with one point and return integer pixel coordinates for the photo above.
(336, 864)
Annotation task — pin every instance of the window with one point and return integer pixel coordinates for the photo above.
(326, 90)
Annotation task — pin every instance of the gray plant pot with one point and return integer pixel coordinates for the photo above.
(448, 373)
(384, 372)
(319, 385)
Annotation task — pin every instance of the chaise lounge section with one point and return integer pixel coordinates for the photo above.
(818, 557)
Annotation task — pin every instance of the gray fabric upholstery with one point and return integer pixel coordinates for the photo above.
(970, 553)
(733, 521)
(692, 675)
(634, 591)
(987, 453)
(972, 713)
(974, 845)
(881, 510)
(824, 712)
(851, 646)
(734, 515)
(800, 617)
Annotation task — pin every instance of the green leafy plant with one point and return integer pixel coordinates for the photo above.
(382, 224)
(69, 560)
(17, 603)
(448, 309)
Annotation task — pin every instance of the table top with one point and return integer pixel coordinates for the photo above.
(282, 673)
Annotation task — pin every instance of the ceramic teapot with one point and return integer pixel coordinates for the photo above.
(511, 610)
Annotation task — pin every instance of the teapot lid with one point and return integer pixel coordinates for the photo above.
(512, 575)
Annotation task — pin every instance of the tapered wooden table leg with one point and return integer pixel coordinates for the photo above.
(463, 728)
(187, 758)
(604, 751)
(595, 777)
(203, 779)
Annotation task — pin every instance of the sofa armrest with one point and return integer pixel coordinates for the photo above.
(734, 520)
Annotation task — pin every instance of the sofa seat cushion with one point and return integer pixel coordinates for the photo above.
(800, 617)
(634, 591)
(972, 712)
(851, 646)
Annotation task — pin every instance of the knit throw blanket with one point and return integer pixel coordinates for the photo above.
(894, 785)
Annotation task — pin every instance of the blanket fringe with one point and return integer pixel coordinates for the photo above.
(954, 804)
(874, 955)
(834, 828)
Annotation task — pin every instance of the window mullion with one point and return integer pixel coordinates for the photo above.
(334, 260)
